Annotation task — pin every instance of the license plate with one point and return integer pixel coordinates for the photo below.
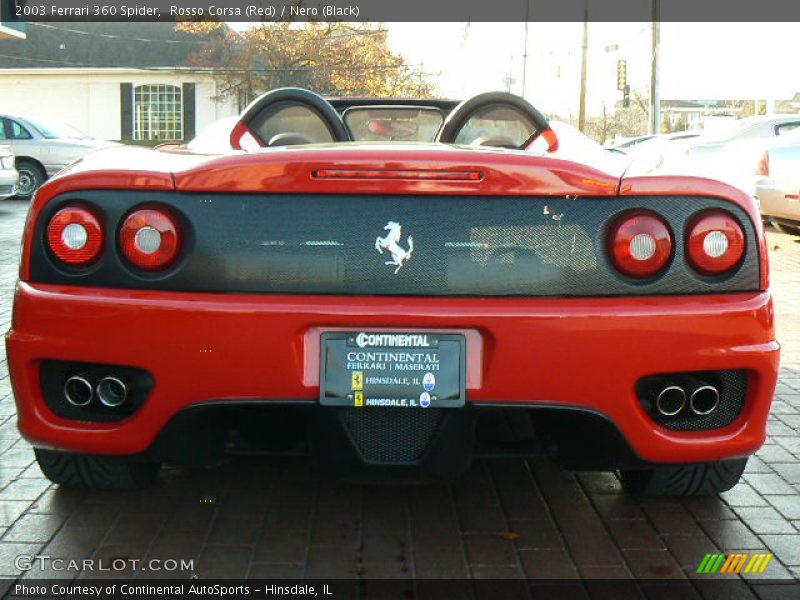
(404, 370)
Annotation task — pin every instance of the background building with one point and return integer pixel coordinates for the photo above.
(111, 81)
(10, 26)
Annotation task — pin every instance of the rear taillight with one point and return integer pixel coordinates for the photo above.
(762, 168)
(641, 245)
(714, 242)
(149, 238)
(75, 236)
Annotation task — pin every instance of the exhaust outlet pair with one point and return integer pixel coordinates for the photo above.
(111, 392)
(672, 399)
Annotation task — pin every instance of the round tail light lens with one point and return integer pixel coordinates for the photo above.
(75, 236)
(715, 243)
(149, 239)
(641, 245)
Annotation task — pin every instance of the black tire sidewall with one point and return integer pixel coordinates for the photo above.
(34, 171)
(787, 229)
(85, 471)
(707, 479)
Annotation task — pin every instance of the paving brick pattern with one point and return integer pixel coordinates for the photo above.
(505, 519)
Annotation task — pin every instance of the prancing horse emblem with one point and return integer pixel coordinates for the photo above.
(391, 242)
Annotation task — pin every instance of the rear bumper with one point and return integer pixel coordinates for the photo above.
(8, 182)
(774, 203)
(580, 353)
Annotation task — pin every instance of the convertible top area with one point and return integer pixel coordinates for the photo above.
(294, 116)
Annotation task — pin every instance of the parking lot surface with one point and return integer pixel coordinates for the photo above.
(275, 518)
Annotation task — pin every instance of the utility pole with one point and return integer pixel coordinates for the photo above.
(584, 57)
(655, 98)
(525, 47)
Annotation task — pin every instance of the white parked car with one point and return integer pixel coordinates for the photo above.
(8, 173)
(43, 147)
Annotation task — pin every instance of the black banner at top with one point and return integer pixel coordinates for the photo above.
(402, 10)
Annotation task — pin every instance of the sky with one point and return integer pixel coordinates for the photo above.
(699, 61)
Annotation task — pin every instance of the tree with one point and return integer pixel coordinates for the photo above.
(330, 58)
(626, 122)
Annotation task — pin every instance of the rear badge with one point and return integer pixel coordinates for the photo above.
(429, 382)
(391, 242)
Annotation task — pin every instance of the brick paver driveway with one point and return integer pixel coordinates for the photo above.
(507, 518)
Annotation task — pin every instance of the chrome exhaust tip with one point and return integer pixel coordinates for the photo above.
(112, 392)
(671, 400)
(704, 400)
(78, 391)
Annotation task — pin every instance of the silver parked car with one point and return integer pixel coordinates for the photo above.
(43, 147)
(731, 154)
(778, 184)
(8, 173)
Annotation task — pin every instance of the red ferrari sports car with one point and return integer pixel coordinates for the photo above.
(396, 287)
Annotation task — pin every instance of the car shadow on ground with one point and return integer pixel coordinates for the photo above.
(278, 516)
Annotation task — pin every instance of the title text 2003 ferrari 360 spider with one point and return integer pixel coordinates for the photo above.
(396, 286)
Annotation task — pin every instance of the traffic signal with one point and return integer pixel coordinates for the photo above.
(622, 74)
(626, 96)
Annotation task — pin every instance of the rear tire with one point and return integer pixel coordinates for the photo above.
(690, 480)
(788, 229)
(31, 177)
(96, 472)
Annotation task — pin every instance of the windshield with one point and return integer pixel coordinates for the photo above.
(793, 135)
(730, 130)
(52, 129)
(503, 125)
(391, 123)
(635, 141)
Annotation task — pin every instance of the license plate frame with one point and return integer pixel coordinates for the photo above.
(415, 370)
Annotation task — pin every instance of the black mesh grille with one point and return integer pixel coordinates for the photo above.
(390, 436)
(469, 245)
(732, 386)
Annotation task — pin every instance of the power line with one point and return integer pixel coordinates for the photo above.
(383, 67)
(301, 69)
(112, 36)
(49, 60)
(336, 36)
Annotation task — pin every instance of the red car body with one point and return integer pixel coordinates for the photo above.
(577, 353)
